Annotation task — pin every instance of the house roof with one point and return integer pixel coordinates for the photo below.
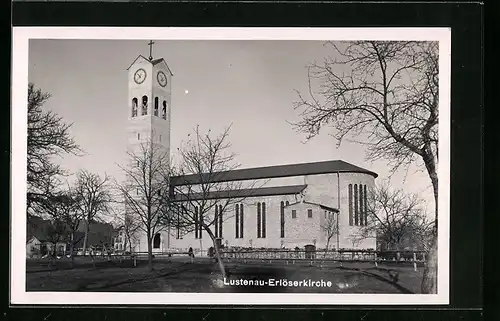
(154, 62)
(323, 207)
(37, 227)
(255, 192)
(315, 168)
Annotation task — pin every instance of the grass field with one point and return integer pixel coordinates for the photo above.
(202, 275)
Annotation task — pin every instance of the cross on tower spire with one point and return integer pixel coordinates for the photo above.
(150, 44)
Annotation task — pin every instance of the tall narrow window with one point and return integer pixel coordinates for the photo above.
(258, 220)
(294, 213)
(361, 207)
(144, 105)
(350, 204)
(282, 219)
(200, 233)
(138, 136)
(196, 222)
(164, 110)
(309, 213)
(216, 221)
(241, 221)
(220, 221)
(156, 106)
(178, 236)
(356, 208)
(156, 241)
(134, 107)
(263, 233)
(366, 205)
(237, 220)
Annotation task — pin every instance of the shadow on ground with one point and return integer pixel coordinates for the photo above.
(203, 276)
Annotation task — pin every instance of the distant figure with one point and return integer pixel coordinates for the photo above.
(190, 252)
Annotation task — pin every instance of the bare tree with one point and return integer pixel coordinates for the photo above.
(330, 227)
(65, 215)
(129, 225)
(387, 93)
(201, 195)
(398, 219)
(48, 137)
(145, 190)
(94, 194)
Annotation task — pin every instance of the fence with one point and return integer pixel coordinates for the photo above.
(414, 258)
(341, 256)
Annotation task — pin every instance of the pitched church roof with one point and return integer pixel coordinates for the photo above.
(244, 193)
(154, 62)
(325, 167)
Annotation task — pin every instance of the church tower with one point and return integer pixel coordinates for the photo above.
(149, 102)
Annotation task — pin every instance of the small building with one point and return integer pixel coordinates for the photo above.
(40, 239)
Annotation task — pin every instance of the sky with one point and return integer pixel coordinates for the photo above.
(249, 85)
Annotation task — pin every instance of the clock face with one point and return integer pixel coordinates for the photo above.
(140, 76)
(162, 78)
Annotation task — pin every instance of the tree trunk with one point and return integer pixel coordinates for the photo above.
(85, 238)
(150, 252)
(429, 279)
(327, 245)
(222, 268)
(71, 249)
(219, 259)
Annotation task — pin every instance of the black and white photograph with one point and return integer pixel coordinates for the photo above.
(230, 165)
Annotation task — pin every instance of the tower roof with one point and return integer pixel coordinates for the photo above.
(154, 62)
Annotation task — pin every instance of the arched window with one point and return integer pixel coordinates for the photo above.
(282, 219)
(219, 224)
(365, 203)
(216, 221)
(361, 207)
(196, 223)
(356, 205)
(144, 105)
(241, 221)
(156, 106)
(263, 234)
(350, 205)
(134, 107)
(156, 241)
(258, 220)
(164, 110)
(237, 220)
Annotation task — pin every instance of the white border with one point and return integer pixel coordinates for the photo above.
(21, 37)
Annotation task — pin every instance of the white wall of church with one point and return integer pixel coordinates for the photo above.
(322, 189)
(300, 229)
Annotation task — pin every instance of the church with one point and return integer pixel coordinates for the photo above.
(298, 205)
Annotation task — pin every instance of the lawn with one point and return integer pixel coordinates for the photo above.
(202, 275)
